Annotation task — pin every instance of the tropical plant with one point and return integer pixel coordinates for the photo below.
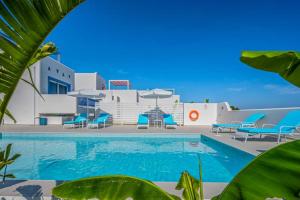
(111, 188)
(24, 25)
(285, 63)
(126, 187)
(190, 187)
(206, 100)
(5, 160)
(275, 173)
(234, 108)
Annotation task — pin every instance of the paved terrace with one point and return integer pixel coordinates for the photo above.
(32, 189)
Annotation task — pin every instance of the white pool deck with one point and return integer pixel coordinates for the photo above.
(36, 189)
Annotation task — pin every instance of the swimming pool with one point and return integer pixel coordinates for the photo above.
(155, 157)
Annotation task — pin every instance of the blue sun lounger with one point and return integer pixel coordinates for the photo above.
(249, 122)
(102, 119)
(287, 126)
(78, 121)
(143, 121)
(169, 121)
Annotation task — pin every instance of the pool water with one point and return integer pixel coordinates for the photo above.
(154, 157)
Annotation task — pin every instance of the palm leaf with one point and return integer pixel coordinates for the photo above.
(8, 113)
(24, 25)
(112, 188)
(285, 63)
(274, 173)
(190, 186)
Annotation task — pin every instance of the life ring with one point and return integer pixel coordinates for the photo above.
(194, 115)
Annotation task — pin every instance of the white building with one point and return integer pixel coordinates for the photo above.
(53, 79)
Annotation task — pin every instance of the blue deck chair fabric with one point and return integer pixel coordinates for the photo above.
(143, 121)
(250, 121)
(286, 126)
(169, 121)
(103, 118)
(78, 120)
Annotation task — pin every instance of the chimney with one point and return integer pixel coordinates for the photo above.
(58, 57)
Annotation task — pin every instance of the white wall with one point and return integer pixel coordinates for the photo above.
(63, 73)
(26, 104)
(207, 113)
(127, 113)
(60, 104)
(273, 115)
(89, 81)
(125, 96)
(21, 104)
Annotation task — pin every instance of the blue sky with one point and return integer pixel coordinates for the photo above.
(190, 45)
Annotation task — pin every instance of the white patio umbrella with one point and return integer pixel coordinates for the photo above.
(88, 94)
(156, 94)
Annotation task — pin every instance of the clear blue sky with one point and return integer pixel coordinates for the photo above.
(190, 45)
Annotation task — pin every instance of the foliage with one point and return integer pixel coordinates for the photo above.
(206, 100)
(111, 188)
(190, 187)
(5, 160)
(126, 187)
(24, 25)
(234, 108)
(274, 173)
(285, 63)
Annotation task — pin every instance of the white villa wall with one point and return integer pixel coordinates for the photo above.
(128, 96)
(89, 81)
(127, 113)
(207, 113)
(62, 74)
(22, 102)
(273, 115)
(26, 104)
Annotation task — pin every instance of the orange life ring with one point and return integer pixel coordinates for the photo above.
(194, 115)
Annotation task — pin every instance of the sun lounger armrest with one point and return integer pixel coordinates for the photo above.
(244, 125)
(282, 127)
(265, 125)
(236, 122)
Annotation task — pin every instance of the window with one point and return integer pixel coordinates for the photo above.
(57, 70)
(63, 74)
(112, 98)
(62, 89)
(69, 76)
(57, 86)
(49, 69)
(52, 88)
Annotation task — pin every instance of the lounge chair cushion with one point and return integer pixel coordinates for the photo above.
(226, 125)
(69, 122)
(168, 120)
(254, 131)
(143, 120)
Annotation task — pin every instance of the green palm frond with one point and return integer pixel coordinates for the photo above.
(8, 113)
(284, 63)
(24, 25)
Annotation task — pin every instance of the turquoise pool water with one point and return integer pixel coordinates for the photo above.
(153, 157)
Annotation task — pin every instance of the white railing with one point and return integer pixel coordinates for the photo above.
(127, 113)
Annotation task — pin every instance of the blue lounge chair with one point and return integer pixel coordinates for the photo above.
(143, 121)
(169, 121)
(102, 119)
(78, 121)
(287, 126)
(249, 122)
